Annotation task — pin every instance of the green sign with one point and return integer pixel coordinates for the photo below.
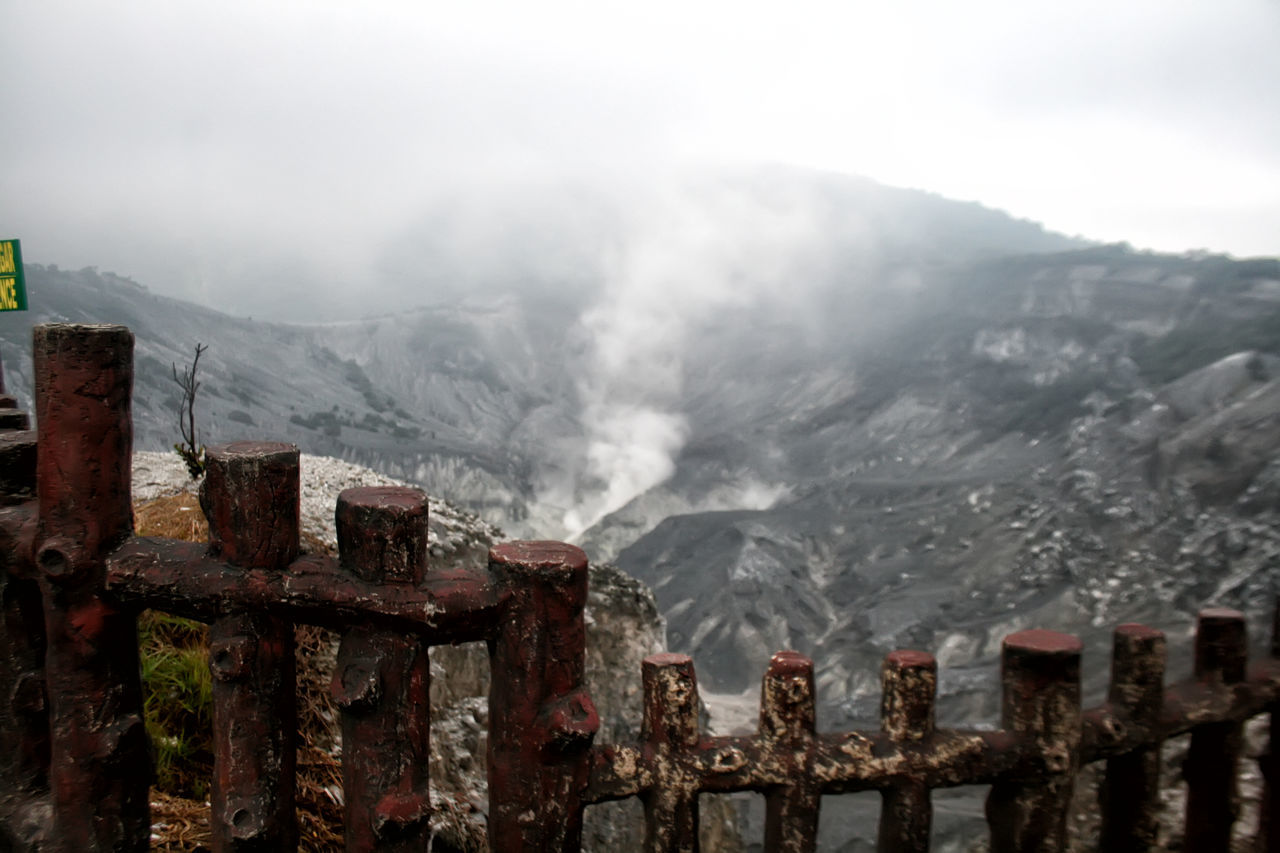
(13, 284)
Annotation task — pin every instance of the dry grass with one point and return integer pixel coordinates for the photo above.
(174, 652)
(175, 517)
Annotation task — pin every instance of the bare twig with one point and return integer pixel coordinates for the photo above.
(187, 448)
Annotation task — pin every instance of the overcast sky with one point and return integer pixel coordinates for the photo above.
(251, 133)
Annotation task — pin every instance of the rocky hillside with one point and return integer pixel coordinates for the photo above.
(1017, 456)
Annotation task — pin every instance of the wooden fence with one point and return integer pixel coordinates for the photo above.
(74, 763)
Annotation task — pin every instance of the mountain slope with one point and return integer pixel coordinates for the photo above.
(1009, 458)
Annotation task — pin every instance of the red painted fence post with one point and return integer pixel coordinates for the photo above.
(250, 495)
(24, 709)
(541, 720)
(909, 685)
(787, 720)
(1269, 762)
(1040, 671)
(670, 733)
(1210, 766)
(382, 680)
(1130, 791)
(99, 767)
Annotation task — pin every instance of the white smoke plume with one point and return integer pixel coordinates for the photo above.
(697, 250)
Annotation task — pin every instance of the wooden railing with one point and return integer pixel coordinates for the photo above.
(74, 766)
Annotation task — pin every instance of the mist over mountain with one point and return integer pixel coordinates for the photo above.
(556, 335)
(811, 412)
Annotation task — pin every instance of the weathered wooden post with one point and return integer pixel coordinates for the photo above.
(787, 718)
(382, 681)
(1269, 761)
(24, 710)
(541, 719)
(99, 767)
(670, 733)
(1130, 790)
(1210, 768)
(250, 495)
(1040, 672)
(909, 685)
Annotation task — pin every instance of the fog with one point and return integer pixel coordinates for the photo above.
(649, 166)
(312, 161)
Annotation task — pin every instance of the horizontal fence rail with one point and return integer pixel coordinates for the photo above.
(74, 758)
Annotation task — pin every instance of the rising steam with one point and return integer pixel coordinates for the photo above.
(696, 251)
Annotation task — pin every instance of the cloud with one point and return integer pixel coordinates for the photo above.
(218, 152)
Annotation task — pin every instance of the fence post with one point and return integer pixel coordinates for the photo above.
(382, 681)
(541, 719)
(787, 722)
(250, 495)
(1130, 790)
(99, 767)
(24, 710)
(1269, 761)
(24, 723)
(1210, 768)
(1040, 672)
(670, 731)
(909, 684)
